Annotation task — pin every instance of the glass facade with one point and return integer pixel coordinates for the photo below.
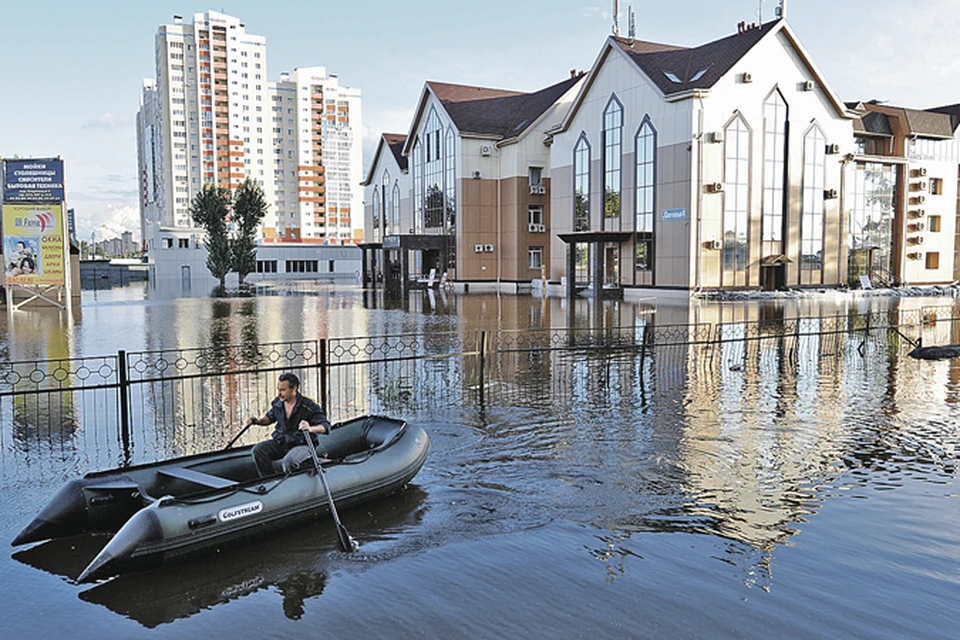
(395, 210)
(814, 174)
(612, 158)
(774, 169)
(646, 158)
(433, 204)
(870, 212)
(581, 184)
(736, 195)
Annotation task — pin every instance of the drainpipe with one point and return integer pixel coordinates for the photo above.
(499, 222)
(697, 247)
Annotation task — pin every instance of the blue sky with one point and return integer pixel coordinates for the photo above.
(71, 72)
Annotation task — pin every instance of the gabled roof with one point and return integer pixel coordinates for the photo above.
(680, 72)
(680, 69)
(394, 142)
(952, 110)
(498, 114)
(938, 123)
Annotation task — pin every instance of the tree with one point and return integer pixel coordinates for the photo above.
(209, 211)
(249, 208)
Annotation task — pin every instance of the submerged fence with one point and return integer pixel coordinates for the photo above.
(67, 416)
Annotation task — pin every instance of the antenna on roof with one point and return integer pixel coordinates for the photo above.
(781, 11)
(616, 18)
(760, 11)
(632, 28)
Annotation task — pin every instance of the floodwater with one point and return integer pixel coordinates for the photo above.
(811, 501)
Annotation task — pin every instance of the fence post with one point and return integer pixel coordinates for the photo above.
(124, 400)
(323, 374)
(483, 349)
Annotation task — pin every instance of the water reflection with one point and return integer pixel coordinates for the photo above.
(295, 563)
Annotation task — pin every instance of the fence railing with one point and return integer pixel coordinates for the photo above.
(74, 414)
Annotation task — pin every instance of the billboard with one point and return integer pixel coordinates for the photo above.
(33, 245)
(33, 180)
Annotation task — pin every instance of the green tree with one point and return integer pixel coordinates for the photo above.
(249, 208)
(209, 210)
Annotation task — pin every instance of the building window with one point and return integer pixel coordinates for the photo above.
(183, 243)
(534, 257)
(395, 204)
(581, 184)
(535, 214)
(934, 223)
(450, 203)
(933, 260)
(936, 186)
(535, 176)
(266, 266)
(774, 167)
(611, 144)
(736, 169)
(646, 156)
(814, 172)
(433, 173)
(417, 186)
(168, 243)
(376, 213)
(300, 266)
(873, 187)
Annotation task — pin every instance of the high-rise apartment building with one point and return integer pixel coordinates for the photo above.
(211, 116)
(317, 157)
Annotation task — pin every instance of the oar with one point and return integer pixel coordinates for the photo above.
(347, 543)
(237, 437)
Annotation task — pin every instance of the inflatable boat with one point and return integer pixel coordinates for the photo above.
(181, 506)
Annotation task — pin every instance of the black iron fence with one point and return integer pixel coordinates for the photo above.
(67, 416)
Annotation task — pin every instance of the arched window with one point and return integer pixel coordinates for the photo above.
(811, 226)
(418, 186)
(774, 166)
(736, 195)
(450, 180)
(612, 143)
(384, 188)
(395, 219)
(581, 184)
(433, 208)
(376, 213)
(645, 152)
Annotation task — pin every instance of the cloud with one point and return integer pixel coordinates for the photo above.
(108, 122)
(108, 221)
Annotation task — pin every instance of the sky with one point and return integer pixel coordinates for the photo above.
(71, 72)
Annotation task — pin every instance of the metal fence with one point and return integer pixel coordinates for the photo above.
(63, 417)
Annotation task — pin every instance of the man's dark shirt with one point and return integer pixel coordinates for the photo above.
(288, 431)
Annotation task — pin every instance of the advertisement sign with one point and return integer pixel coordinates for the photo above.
(33, 245)
(33, 180)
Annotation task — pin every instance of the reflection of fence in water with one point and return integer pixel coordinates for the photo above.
(59, 418)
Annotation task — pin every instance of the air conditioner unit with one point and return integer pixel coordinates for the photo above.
(532, 228)
(541, 190)
(485, 149)
(541, 228)
(920, 213)
(921, 186)
(916, 240)
(833, 149)
(919, 199)
(477, 175)
(920, 172)
(713, 245)
(716, 136)
(917, 226)
(916, 255)
(478, 248)
(807, 85)
(829, 194)
(488, 248)
(715, 187)
(746, 78)
(534, 189)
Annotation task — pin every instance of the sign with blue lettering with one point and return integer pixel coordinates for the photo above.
(33, 180)
(673, 214)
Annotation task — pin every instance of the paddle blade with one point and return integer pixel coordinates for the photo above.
(347, 543)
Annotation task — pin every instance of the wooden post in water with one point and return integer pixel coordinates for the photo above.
(482, 348)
